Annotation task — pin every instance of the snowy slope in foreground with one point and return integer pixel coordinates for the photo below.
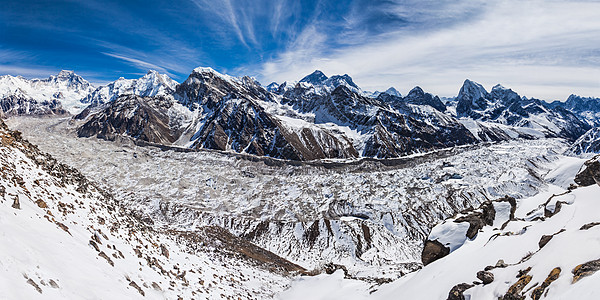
(62, 238)
(527, 269)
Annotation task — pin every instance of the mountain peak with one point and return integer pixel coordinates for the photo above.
(66, 73)
(316, 77)
(417, 90)
(337, 80)
(210, 72)
(273, 86)
(204, 70)
(499, 87)
(472, 89)
(393, 91)
(152, 72)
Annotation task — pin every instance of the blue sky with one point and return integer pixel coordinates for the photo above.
(546, 49)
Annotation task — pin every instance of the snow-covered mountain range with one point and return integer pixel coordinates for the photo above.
(221, 187)
(68, 92)
(42, 96)
(318, 117)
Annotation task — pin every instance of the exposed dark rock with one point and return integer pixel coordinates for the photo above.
(20, 105)
(16, 204)
(312, 233)
(316, 77)
(330, 268)
(589, 225)
(432, 251)
(103, 255)
(478, 219)
(557, 207)
(544, 240)
(539, 291)
(94, 245)
(456, 293)
(53, 284)
(501, 264)
(485, 276)
(164, 251)
(585, 269)
(590, 174)
(137, 287)
(145, 119)
(514, 292)
(34, 285)
(523, 272)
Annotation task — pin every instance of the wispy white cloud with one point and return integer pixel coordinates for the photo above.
(226, 12)
(138, 62)
(545, 49)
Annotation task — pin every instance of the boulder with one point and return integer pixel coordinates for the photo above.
(485, 276)
(432, 251)
(585, 269)
(456, 293)
(590, 173)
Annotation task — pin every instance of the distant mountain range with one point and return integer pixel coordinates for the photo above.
(317, 117)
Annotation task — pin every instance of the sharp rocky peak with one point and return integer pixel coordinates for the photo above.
(473, 89)
(317, 77)
(337, 80)
(416, 91)
(393, 91)
(66, 73)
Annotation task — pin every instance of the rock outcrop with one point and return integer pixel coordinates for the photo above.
(590, 173)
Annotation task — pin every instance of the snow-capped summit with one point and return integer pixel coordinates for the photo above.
(529, 118)
(419, 97)
(272, 87)
(151, 84)
(337, 80)
(323, 84)
(393, 91)
(316, 78)
(390, 91)
(588, 108)
(42, 96)
(472, 95)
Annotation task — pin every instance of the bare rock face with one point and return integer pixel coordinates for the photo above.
(590, 174)
(432, 251)
(539, 291)
(485, 215)
(478, 219)
(515, 292)
(585, 269)
(503, 105)
(145, 119)
(456, 293)
(20, 105)
(486, 277)
(244, 126)
(235, 121)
